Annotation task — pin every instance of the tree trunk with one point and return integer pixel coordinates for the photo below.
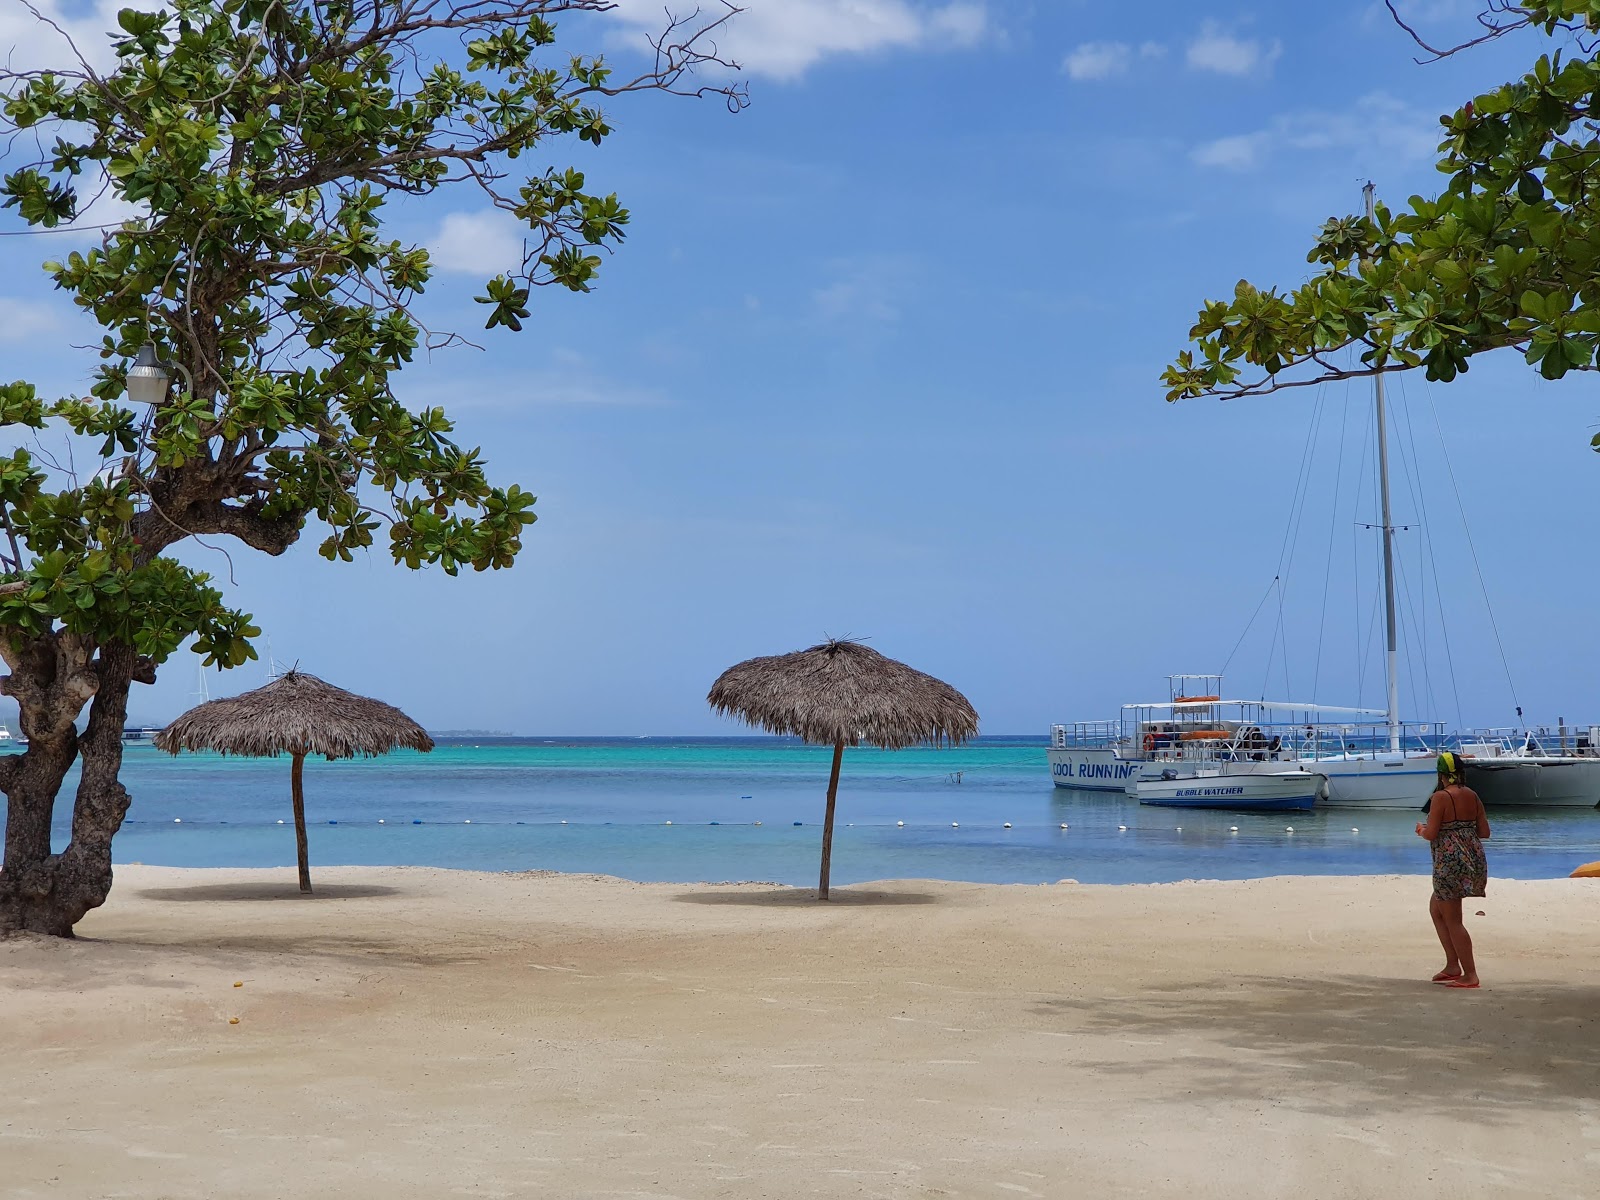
(827, 821)
(295, 773)
(40, 891)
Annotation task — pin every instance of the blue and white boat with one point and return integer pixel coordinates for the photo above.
(1266, 791)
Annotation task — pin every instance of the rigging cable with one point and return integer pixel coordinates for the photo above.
(1432, 557)
(1476, 565)
(1291, 537)
(1248, 625)
(1327, 570)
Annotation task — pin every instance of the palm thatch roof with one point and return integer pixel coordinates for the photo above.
(842, 691)
(296, 713)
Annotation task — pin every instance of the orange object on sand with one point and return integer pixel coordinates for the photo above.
(1587, 871)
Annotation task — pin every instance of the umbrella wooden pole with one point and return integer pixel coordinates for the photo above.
(827, 821)
(295, 775)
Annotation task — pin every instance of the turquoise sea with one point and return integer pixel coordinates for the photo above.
(691, 809)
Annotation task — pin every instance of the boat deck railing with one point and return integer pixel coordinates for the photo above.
(1086, 735)
(1190, 738)
(1568, 741)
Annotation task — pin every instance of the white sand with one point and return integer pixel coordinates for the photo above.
(420, 1033)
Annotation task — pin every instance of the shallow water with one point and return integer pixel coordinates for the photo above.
(684, 810)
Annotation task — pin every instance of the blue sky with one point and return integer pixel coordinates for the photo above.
(881, 358)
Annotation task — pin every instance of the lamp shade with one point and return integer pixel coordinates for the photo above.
(147, 378)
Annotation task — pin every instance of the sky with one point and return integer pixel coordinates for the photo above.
(880, 358)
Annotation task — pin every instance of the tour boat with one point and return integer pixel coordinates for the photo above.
(1266, 791)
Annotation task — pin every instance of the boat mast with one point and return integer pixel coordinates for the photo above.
(1393, 719)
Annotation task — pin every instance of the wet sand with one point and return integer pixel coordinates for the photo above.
(421, 1033)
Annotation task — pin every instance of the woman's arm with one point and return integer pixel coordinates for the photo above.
(1483, 820)
(1429, 829)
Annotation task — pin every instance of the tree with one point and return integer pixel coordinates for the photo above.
(261, 139)
(1507, 256)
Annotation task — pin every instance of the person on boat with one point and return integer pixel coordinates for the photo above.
(1456, 828)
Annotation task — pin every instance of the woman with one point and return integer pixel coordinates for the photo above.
(1456, 827)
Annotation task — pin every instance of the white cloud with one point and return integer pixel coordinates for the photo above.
(1215, 50)
(481, 243)
(1098, 60)
(863, 291)
(783, 38)
(1103, 60)
(22, 321)
(1239, 152)
(31, 43)
(1427, 12)
(1376, 124)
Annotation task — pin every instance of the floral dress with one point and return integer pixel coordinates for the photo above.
(1459, 866)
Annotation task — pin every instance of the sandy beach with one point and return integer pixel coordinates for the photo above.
(424, 1033)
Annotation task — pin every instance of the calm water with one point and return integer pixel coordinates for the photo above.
(751, 808)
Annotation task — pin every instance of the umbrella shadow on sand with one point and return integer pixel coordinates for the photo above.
(791, 897)
(268, 890)
(1350, 1045)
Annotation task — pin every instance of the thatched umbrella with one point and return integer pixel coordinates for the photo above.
(842, 694)
(295, 714)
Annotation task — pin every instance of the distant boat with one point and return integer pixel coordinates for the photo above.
(1523, 770)
(139, 734)
(1275, 791)
(7, 741)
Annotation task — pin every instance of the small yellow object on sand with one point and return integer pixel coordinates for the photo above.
(233, 1020)
(238, 983)
(1587, 871)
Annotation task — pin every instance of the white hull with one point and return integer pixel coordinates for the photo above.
(1239, 791)
(1384, 780)
(1099, 770)
(1551, 782)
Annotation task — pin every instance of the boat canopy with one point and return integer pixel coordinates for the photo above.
(1319, 708)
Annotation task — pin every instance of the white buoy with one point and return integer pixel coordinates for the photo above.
(380, 820)
(1063, 824)
(280, 822)
(1124, 828)
(563, 822)
(900, 824)
(1233, 829)
(955, 824)
(177, 820)
(1288, 828)
(669, 822)
(1177, 828)
(468, 821)
(1353, 829)
(1008, 824)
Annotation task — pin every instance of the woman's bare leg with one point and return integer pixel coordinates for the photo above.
(1456, 926)
(1452, 962)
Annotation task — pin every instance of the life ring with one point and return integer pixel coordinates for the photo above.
(1149, 743)
(1587, 871)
